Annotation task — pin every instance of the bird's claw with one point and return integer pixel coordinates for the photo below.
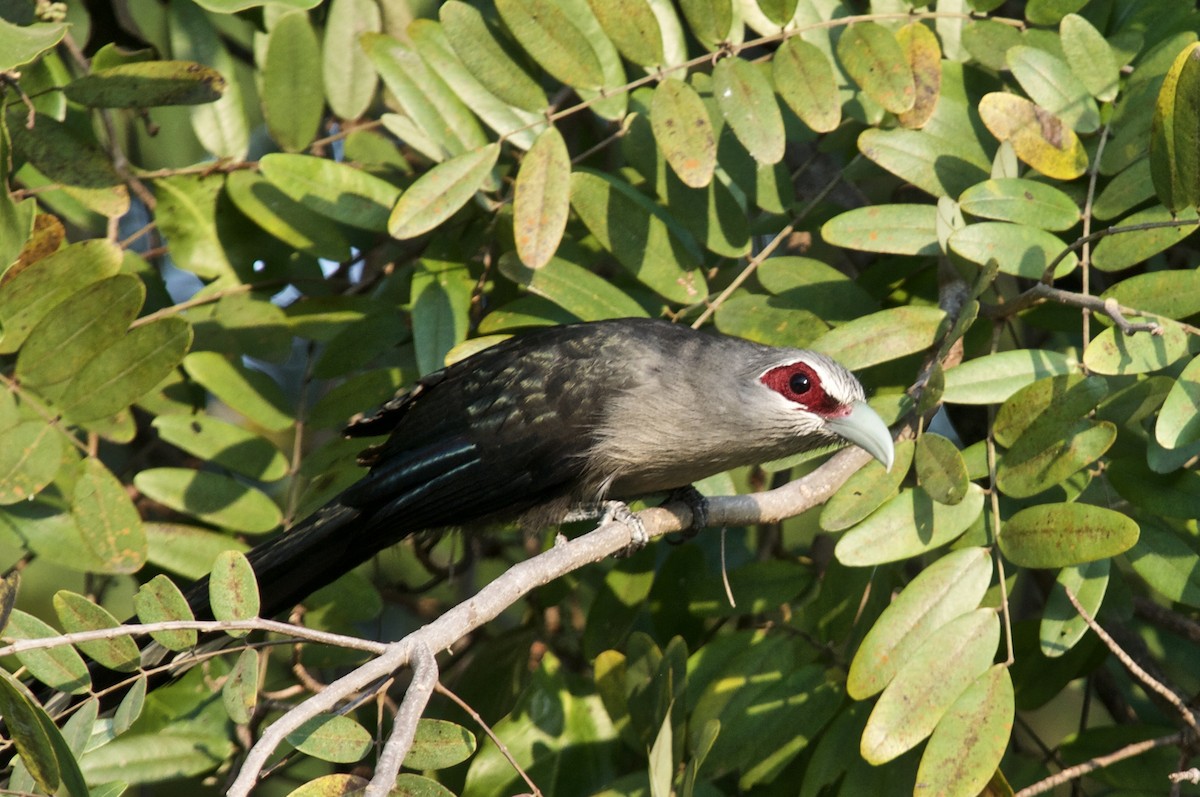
(619, 512)
(696, 503)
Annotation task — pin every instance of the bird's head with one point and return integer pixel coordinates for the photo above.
(817, 397)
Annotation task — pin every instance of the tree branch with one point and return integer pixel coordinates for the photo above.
(524, 577)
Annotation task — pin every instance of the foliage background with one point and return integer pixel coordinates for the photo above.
(231, 226)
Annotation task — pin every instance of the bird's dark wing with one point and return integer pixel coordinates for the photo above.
(493, 436)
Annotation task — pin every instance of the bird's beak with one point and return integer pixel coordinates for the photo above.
(863, 427)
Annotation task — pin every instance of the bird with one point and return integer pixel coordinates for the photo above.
(560, 418)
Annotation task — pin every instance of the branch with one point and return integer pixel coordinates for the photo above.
(1099, 762)
(404, 726)
(522, 578)
(1134, 668)
(1109, 307)
(204, 626)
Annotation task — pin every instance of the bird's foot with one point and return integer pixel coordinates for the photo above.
(697, 504)
(619, 512)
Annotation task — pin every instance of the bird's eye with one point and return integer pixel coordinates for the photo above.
(800, 383)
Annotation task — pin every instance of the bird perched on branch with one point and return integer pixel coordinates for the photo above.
(564, 417)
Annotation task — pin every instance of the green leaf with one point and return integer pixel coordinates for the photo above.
(991, 379)
(59, 667)
(239, 693)
(1047, 407)
(29, 460)
(867, 490)
(186, 550)
(929, 683)
(159, 600)
(970, 739)
(1051, 84)
(633, 28)
(22, 44)
(187, 217)
(1090, 56)
(130, 708)
(1168, 564)
(1114, 352)
(1179, 420)
(342, 785)
(640, 234)
(1022, 202)
(710, 21)
(883, 336)
(684, 132)
(805, 81)
(768, 320)
(211, 497)
(907, 525)
(29, 292)
(941, 471)
(222, 126)
(1050, 12)
(1040, 139)
(332, 738)
(441, 192)
(147, 84)
(477, 44)
(223, 444)
(107, 519)
(518, 127)
(1058, 535)
(165, 754)
(989, 40)
(233, 589)
(439, 744)
(585, 295)
(542, 199)
(350, 80)
(249, 392)
(332, 189)
(1062, 626)
(1175, 495)
(1037, 462)
(1019, 249)
(1128, 189)
(79, 329)
(895, 229)
(23, 722)
(83, 171)
(77, 613)
(1174, 162)
(1127, 248)
(424, 98)
(747, 101)
(875, 61)
(551, 37)
(440, 297)
(949, 588)
(128, 369)
(266, 205)
(812, 285)
(940, 165)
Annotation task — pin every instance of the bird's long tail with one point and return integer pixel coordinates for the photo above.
(297, 563)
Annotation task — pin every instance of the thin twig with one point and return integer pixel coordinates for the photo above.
(203, 626)
(1134, 668)
(442, 689)
(1079, 243)
(1117, 312)
(1099, 762)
